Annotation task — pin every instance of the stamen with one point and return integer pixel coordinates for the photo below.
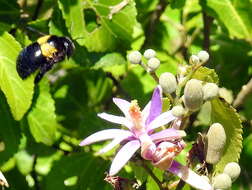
(136, 115)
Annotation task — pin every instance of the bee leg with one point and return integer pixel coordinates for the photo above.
(42, 71)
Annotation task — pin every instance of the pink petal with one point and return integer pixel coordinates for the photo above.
(123, 156)
(156, 105)
(167, 134)
(114, 142)
(116, 119)
(123, 105)
(161, 120)
(104, 135)
(189, 176)
(146, 111)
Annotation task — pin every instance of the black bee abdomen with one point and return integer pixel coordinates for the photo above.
(29, 60)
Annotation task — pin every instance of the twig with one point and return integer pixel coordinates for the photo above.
(207, 20)
(34, 173)
(243, 94)
(36, 12)
(116, 8)
(180, 185)
(149, 171)
(154, 19)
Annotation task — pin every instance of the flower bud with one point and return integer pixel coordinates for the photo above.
(178, 111)
(216, 140)
(149, 53)
(193, 95)
(153, 64)
(222, 181)
(203, 56)
(210, 91)
(135, 57)
(168, 82)
(233, 170)
(194, 59)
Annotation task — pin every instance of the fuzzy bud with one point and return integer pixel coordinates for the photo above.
(233, 170)
(222, 181)
(216, 140)
(153, 64)
(203, 56)
(135, 57)
(168, 82)
(149, 53)
(210, 91)
(193, 95)
(194, 59)
(178, 111)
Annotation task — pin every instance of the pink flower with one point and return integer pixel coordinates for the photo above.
(140, 130)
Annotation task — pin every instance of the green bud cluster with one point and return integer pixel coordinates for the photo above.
(153, 64)
(135, 57)
(203, 56)
(210, 91)
(194, 59)
(149, 53)
(224, 180)
(168, 82)
(233, 170)
(178, 111)
(193, 95)
(216, 140)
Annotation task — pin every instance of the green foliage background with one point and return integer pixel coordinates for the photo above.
(42, 125)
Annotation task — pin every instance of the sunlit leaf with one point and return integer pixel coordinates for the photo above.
(73, 14)
(17, 91)
(235, 15)
(42, 118)
(226, 115)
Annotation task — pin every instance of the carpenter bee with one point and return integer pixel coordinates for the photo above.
(42, 55)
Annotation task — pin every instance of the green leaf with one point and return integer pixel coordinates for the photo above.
(239, 25)
(73, 14)
(10, 132)
(88, 171)
(143, 84)
(17, 91)
(42, 118)
(57, 24)
(110, 32)
(226, 115)
(112, 62)
(176, 4)
(151, 184)
(206, 74)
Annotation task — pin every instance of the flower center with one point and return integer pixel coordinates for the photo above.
(136, 116)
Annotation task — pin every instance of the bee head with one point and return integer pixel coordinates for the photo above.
(68, 46)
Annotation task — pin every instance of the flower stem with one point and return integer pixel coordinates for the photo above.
(149, 171)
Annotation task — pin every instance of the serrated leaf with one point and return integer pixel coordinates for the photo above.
(17, 91)
(72, 12)
(10, 134)
(226, 115)
(206, 74)
(239, 25)
(42, 117)
(110, 32)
